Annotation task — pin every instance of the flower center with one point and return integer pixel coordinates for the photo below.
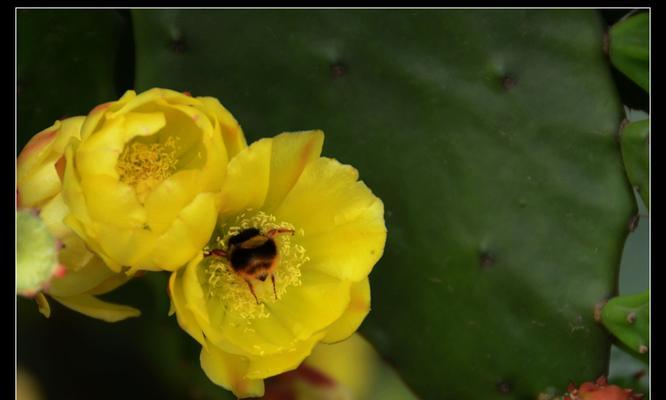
(145, 165)
(225, 283)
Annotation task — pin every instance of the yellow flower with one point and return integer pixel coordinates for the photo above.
(81, 275)
(142, 182)
(328, 230)
(346, 370)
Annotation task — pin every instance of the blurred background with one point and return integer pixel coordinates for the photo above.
(68, 61)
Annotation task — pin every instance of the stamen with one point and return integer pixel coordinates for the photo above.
(232, 290)
(144, 166)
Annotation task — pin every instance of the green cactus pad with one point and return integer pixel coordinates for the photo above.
(36, 253)
(628, 318)
(490, 137)
(630, 48)
(636, 155)
(67, 62)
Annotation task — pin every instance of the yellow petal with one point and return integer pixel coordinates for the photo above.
(112, 202)
(291, 153)
(34, 152)
(41, 185)
(74, 253)
(185, 318)
(358, 309)
(81, 281)
(169, 198)
(37, 176)
(343, 222)
(111, 283)
(246, 183)
(315, 304)
(351, 250)
(228, 371)
(87, 233)
(301, 313)
(353, 364)
(126, 247)
(95, 116)
(215, 169)
(233, 137)
(72, 192)
(186, 125)
(143, 98)
(43, 304)
(266, 366)
(187, 236)
(70, 127)
(192, 291)
(96, 308)
(235, 334)
(98, 154)
(53, 214)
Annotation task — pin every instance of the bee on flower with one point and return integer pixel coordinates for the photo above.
(287, 267)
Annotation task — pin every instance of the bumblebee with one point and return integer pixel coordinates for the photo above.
(252, 255)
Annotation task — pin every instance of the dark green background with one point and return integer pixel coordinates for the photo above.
(397, 93)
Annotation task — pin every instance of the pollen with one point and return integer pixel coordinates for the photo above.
(145, 165)
(232, 290)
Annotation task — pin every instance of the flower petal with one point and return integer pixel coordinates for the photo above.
(81, 281)
(85, 232)
(232, 333)
(266, 366)
(53, 214)
(297, 316)
(37, 178)
(42, 184)
(184, 315)
(228, 371)
(343, 221)
(99, 153)
(71, 190)
(36, 150)
(246, 183)
(359, 307)
(232, 134)
(188, 234)
(192, 291)
(127, 247)
(315, 304)
(96, 308)
(169, 198)
(291, 153)
(94, 117)
(43, 304)
(111, 202)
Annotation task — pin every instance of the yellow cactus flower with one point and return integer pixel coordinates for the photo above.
(347, 370)
(81, 275)
(288, 266)
(142, 182)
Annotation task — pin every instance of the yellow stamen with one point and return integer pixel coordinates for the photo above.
(225, 285)
(144, 166)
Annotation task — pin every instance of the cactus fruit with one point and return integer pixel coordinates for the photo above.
(635, 142)
(628, 318)
(36, 254)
